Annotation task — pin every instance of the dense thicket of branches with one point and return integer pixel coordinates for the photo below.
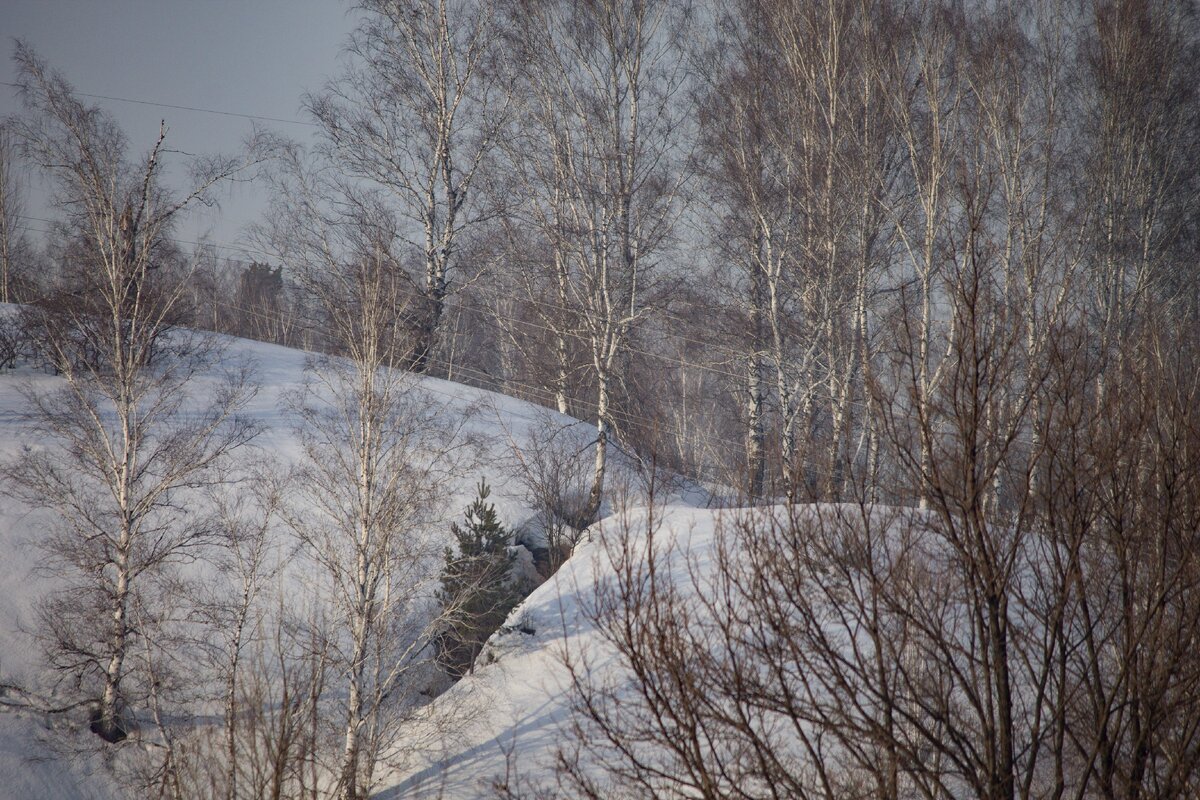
(1017, 367)
(1030, 635)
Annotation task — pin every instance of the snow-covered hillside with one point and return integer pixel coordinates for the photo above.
(36, 764)
(509, 718)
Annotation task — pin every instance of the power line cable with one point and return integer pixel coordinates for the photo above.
(730, 450)
(541, 393)
(664, 313)
(198, 109)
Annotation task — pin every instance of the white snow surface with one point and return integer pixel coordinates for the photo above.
(516, 702)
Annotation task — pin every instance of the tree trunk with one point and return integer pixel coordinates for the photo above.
(597, 492)
(107, 722)
(348, 788)
(756, 432)
(755, 418)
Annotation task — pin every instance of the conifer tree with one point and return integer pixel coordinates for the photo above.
(477, 589)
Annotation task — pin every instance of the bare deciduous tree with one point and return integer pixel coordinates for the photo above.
(376, 450)
(412, 122)
(1003, 644)
(120, 456)
(599, 86)
(552, 469)
(15, 269)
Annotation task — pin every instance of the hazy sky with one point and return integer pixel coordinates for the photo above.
(249, 57)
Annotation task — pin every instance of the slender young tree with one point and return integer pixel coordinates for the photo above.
(751, 206)
(119, 453)
(15, 269)
(376, 450)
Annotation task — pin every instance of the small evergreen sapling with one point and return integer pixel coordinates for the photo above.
(477, 589)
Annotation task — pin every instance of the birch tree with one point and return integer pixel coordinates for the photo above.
(797, 170)
(599, 87)
(1003, 644)
(926, 107)
(14, 246)
(839, 143)
(119, 455)
(412, 121)
(739, 172)
(376, 449)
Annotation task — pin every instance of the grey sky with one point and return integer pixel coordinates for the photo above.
(251, 57)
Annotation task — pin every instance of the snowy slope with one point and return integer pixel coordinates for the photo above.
(520, 704)
(494, 420)
(30, 767)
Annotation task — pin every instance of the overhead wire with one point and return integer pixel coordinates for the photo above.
(727, 449)
(731, 451)
(526, 323)
(546, 396)
(541, 393)
(198, 109)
